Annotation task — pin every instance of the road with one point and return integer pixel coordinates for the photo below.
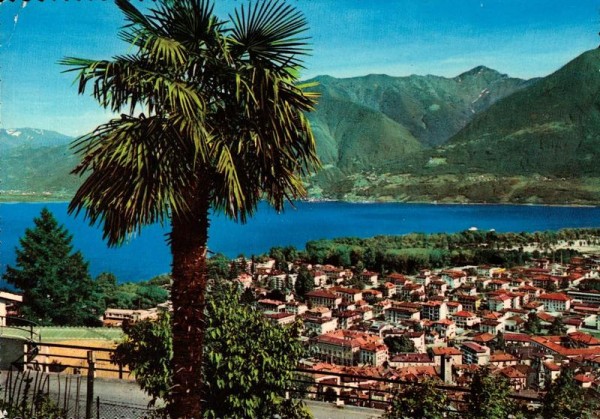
(322, 410)
(123, 399)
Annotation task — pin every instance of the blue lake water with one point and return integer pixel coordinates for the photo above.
(147, 255)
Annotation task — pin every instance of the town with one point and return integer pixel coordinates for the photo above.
(364, 331)
(523, 323)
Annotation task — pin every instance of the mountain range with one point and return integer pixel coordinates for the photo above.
(481, 136)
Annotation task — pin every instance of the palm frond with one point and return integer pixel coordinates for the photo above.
(221, 109)
(268, 31)
(139, 170)
(129, 81)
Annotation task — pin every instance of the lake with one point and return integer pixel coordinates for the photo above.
(147, 255)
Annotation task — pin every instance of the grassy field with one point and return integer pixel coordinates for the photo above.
(73, 360)
(58, 334)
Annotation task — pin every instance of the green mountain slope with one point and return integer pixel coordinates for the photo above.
(354, 137)
(551, 128)
(364, 123)
(35, 164)
(431, 108)
(540, 144)
(479, 137)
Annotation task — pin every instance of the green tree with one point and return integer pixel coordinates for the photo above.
(304, 282)
(359, 267)
(489, 396)
(218, 266)
(500, 342)
(57, 287)
(212, 118)
(557, 327)
(565, 399)
(247, 296)
(533, 324)
(234, 270)
(247, 374)
(106, 284)
(278, 253)
(150, 295)
(399, 344)
(418, 401)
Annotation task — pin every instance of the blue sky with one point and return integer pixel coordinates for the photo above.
(523, 38)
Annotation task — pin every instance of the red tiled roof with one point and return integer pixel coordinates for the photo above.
(583, 378)
(440, 351)
(483, 337)
(545, 317)
(404, 310)
(346, 290)
(517, 337)
(432, 303)
(551, 366)
(411, 357)
(321, 294)
(554, 296)
(475, 347)
(584, 338)
(502, 357)
(550, 342)
(464, 313)
(454, 273)
(510, 372)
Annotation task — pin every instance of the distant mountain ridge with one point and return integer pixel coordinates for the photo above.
(540, 144)
(31, 137)
(481, 136)
(35, 164)
(551, 128)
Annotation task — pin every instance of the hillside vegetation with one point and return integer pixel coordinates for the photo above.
(539, 144)
(479, 137)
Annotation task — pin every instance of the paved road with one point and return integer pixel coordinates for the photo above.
(322, 410)
(124, 399)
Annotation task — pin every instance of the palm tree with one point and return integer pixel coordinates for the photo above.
(212, 118)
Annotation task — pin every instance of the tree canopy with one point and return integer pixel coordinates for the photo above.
(399, 344)
(565, 399)
(423, 400)
(304, 282)
(57, 287)
(248, 374)
(489, 396)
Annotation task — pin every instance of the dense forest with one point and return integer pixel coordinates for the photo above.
(411, 252)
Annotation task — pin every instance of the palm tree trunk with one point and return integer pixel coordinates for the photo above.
(189, 238)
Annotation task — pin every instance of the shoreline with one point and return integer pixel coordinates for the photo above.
(364, 202)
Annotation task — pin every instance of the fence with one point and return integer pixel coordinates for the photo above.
(112, 410)
(58, 357)
(29, 394)
(80, 365)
